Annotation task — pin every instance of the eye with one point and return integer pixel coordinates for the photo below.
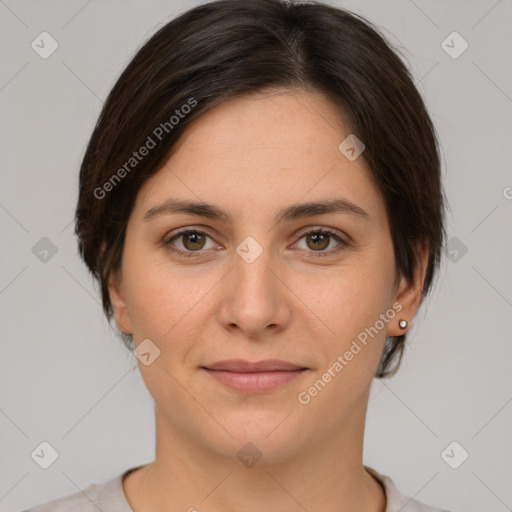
(191, 240)
(318, 240)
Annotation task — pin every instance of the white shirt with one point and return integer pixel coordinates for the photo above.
(109, 497)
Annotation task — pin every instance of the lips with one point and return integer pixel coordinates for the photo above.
(254, 377)
(241, 366)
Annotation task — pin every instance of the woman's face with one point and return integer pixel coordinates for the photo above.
(270, 279)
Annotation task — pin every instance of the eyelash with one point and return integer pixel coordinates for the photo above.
(192, 254)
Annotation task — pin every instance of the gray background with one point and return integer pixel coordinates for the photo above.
(66, 379)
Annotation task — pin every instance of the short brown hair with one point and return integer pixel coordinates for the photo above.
(225, 48)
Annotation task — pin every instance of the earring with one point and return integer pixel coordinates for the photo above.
(403, 324)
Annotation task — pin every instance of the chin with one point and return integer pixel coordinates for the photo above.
(265, 437)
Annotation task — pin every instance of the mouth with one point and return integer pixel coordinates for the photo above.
(254, 377)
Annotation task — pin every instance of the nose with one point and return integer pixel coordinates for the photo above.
(254, 295)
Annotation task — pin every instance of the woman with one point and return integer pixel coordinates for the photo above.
(261, 204)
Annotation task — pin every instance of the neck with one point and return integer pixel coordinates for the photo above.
(326, 476)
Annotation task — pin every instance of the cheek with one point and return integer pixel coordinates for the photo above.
(147, 285)
(356, 293)
(165, 301)
(349, 303)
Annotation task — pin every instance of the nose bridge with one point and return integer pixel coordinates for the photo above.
(253, 301)
(251, 268)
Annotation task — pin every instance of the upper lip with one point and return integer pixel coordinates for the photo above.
(242, 366)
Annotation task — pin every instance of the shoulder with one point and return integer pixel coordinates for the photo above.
(395, 500)
(107, 497)
(82, 501)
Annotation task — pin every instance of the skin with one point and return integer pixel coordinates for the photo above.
(301, 300)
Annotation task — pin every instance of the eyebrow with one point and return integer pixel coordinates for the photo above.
(293, 212)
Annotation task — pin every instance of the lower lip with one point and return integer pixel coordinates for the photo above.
(256, 382)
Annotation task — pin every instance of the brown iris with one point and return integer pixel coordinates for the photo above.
(193, 241)
(321, 240)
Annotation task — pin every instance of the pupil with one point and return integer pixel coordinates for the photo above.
(194, 238)
(319, 238)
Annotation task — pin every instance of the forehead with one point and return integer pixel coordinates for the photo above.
(270, 122)
(261, 150)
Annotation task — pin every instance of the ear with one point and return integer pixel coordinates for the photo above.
(118, 301)
(409, 295)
